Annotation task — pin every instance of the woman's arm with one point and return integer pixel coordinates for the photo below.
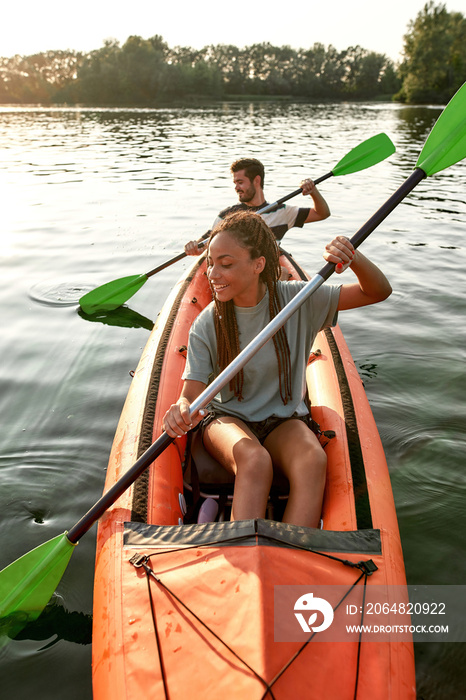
(176, 422)
(372, 285)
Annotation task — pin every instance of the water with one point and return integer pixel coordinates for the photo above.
(91, 195)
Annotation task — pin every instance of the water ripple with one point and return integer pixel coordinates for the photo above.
(58, 292)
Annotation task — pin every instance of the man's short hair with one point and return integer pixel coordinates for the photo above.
(251, 166)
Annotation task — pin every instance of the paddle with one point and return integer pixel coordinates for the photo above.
(113, 294)
(368, 153)
(28, 583)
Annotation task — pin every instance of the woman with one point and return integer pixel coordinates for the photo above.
(260, 422)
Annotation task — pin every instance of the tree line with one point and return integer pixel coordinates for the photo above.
(149, 72)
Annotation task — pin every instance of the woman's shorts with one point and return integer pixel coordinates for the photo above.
(261, 429)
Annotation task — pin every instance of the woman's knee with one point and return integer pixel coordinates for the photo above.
(309, 468)
(253, 462)
(320, 460)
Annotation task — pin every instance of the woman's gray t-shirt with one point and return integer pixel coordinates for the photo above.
(261, 392)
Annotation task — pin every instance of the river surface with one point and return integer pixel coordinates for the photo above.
(90, 195)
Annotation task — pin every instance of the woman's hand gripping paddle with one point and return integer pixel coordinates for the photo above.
(113, 294)
(28, 583)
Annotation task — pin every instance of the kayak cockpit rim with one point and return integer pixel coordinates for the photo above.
(251, 533)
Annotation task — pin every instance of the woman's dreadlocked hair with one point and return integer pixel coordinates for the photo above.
(251, 232)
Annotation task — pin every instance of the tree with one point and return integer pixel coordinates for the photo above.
(98, 79)
(434, 63)
(232, 65)
(142, 65)
(37, 78)
(333, 73)
(311, 68)
(148, 72)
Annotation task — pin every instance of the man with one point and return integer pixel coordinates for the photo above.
(248, 178)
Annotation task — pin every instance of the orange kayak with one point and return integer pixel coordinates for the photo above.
(189, 604)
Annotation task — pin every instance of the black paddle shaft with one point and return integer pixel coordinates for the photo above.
(167, 263)
(123, 483)
(376, 219)
(271, 207)
(265, 210)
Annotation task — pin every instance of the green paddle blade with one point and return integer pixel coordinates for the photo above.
(111, 295)
(446, 143)
(367, 154)
(27, 584)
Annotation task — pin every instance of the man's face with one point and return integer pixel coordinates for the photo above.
(243, 186)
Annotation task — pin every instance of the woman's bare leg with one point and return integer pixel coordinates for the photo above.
(233, 445)
(296, 451)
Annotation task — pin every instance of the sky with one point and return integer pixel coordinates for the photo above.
(32, 26)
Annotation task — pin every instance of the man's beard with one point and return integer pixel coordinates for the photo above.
(248, 195)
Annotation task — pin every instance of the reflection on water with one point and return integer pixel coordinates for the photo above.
(97, 194)
(123, 316)
(56, 624)
(415, 124)
(367, 370)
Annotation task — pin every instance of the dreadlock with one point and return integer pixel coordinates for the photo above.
(250, 231)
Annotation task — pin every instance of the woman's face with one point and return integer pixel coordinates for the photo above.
(232, 272)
